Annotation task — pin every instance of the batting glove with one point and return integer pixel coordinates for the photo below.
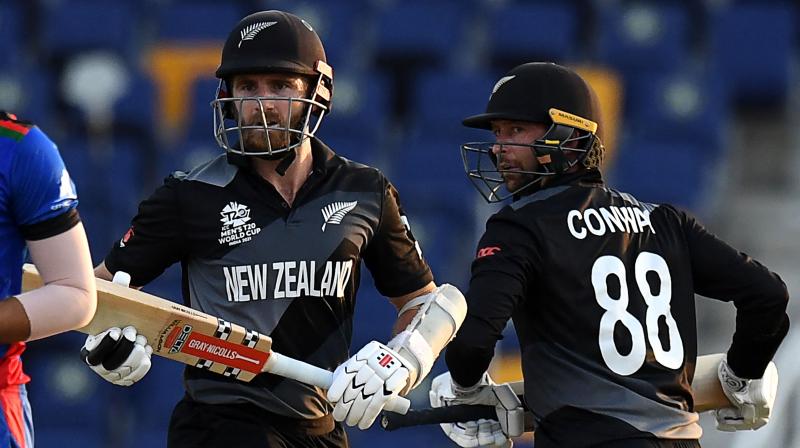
(497, 433)
(365, 383)
(753, 399)
(121, 357)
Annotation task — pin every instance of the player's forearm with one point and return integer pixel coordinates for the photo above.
(761, 325)
(760, 296)
(492, 298)
(407, 307)
(753, 347)
(54, 309)
(470, 354)
(16, 326)
(68, 298)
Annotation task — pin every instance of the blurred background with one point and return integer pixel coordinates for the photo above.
(700, 101)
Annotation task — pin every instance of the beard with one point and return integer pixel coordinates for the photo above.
(263, 140)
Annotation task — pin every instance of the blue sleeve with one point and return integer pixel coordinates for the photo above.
(40, 184)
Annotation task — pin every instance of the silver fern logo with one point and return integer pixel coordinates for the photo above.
(500, 83)
(250, 31)
(334, 212)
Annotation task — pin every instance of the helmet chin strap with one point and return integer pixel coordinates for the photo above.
(285, 162)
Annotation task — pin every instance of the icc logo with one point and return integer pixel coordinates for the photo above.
(235, 215)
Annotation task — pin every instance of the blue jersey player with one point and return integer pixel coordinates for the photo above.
(37, 215)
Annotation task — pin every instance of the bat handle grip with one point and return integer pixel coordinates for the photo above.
(447, 414)
(310, 374)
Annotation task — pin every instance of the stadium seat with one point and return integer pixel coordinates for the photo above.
(443, 99)
(672, 172)
(340, 25)
(109, 182)
(10, 39)
(155, 396)
(361, 109)
(188, 20)
(90, 86)
(68, 27)
(751, 49)
(420, 29)
(642, 36)
(29, 93)
(681, 104)
(74, 437)
(64, 393)
(135, 113)
(200, 124)
(439, 202)
(186, 155)
(521, 32)
(374, 314)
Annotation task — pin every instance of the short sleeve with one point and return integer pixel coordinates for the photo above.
(43, 196)
(154, 241)
(393, 256)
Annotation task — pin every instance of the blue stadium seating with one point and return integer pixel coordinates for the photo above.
(64, 392)
(658, 171)
(642, 36)
(10, 38)
(677, 105)
(534, 31)
(342, 26)
(441, 99)
(30, 93)
(109, 183)
(420, 29)
(186, 155)
(136, 111)
(439, 201)
(200, 114)
(68, 27)
(69, 438)
(373, 316)
(188, 20)
(361, 110)
(751, 49)
(154, 397)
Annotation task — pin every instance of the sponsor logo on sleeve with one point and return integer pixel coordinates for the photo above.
(487, 251)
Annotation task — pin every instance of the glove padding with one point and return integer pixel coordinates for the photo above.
(365, 383)
(753, 399)
(510, 413)
(121, 357)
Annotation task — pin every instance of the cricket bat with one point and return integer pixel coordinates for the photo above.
(195, 338)
(706, 388)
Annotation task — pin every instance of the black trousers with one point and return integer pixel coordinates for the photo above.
(570, 427)
(543, 442)
(197, 425)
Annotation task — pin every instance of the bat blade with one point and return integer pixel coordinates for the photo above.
(175, 331)
(195, 338)
(707, 390)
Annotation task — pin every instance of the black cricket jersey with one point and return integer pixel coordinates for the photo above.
(601, 289)
(290, 272)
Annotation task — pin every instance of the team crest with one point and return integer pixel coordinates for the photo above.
(334, 212)
(251, 31)
(236, 225)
